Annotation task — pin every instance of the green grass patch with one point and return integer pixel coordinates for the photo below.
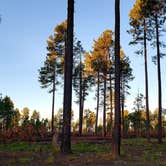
(90, 148)
(21, 146)
(133, 151)
(151, 157)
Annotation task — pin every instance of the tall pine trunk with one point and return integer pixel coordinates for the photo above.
(66, 135)
(122, 109)
(123, 119)
(104, 105)
(116, 141)
(80, 102)
(53, 101)
(111, 106)
(98, 95)
(159, 83)
(146, 85)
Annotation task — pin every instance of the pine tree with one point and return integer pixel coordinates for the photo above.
(116, 139)
(101, 53)
(53, 65)
(7, 111)
(82, 83)
(125, 76)
(141, 32)
(157, 11)
(98, 62)
(66, 135)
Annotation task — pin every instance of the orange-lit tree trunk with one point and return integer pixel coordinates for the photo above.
(116, 140)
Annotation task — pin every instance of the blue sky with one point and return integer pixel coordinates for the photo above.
(25, 27)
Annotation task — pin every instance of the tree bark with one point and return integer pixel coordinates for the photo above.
(67, 105)
(111, 107)
(104, 105)
(116, 141)
(97, 108)
(159, 83)
(53, 101)
(146, 85)
(80, 101)
(122, 110)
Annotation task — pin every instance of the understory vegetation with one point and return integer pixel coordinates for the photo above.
(133, 152)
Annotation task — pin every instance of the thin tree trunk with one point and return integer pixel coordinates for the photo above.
(122, 107)
(53, 101)
(67, 105)
(80, 102)
(146, 86)
(123, 126)
(159, 83)
(82, 105)
(139, 124)
(111, 107)
(116, 141)
(81, 117)
(97, 108)
(104, 105)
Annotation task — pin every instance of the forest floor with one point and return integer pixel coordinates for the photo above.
(134, 152)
